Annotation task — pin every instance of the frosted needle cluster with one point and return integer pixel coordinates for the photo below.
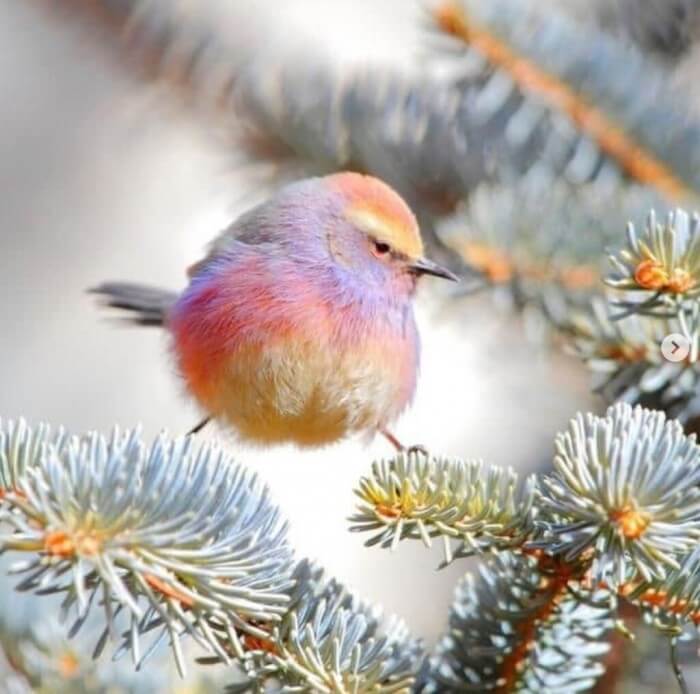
(166, 539)
(625, 492)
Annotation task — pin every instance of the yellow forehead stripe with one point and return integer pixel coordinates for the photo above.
(402, 237)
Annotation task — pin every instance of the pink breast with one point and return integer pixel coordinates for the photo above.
(216, 317)
(247, 312)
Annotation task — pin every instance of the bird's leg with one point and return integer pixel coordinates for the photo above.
(400, 448)
(197, 428)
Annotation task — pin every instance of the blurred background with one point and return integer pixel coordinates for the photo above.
(109, 173)
(102, 178)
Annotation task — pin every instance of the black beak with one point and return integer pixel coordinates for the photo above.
(423, 266)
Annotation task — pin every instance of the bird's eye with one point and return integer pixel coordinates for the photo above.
(381, 248)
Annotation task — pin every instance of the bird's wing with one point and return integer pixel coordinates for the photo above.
(249, 228)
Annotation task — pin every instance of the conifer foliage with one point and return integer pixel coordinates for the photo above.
(546, 159)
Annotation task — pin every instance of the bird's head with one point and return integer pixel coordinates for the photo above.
(376, 236)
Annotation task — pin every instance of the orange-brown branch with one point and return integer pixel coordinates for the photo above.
(659, 598)
(255, 643)
(634, 159)
(615, 659)
(169, 591)
(556, 576)
(500, 267)
(629, 611)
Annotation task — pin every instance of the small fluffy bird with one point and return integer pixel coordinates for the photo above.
(298, 325)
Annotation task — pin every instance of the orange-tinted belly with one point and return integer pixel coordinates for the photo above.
(303, 391)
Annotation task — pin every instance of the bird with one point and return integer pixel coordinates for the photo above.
(297, 326)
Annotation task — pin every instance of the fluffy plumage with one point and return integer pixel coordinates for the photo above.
(298, 324)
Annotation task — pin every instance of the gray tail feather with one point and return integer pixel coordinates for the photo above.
(146, 305)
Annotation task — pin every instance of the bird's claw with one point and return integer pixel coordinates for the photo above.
(400, 448)
(418, 448)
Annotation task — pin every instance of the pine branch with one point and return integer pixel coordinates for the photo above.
(595, 89)
(37, 649)
(45, 660)
(22, 449)
(624, 492)
(296, 115)
(627, 363)
(417, 497)
(654, 294)
(154, 544)
(163, 539)
(331, 642)
(433, 141)
(620, 511)
(671, 602)
(546, 260)
(666, 29)
(662, 267)
(525, 623)
(615, 518)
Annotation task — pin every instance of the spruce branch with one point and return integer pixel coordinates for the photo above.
(625, 492)
(333, 643)
(22, 448)
(627, 363)
(654, 293)
(434, 141)
(37, 649)
(546, 260)
(670, 605)
(48, 661)
(164, 539)
(525, 623)
(659, 270)
(594, 89)
(667, 29)
(167, 541)
(672, 602)
(297, 114)
(414, 496)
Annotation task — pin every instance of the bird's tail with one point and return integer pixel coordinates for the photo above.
(145, 305)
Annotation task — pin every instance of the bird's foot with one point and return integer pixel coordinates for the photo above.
(418, 448)
(400, 448)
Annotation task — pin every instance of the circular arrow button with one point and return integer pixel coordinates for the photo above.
(675, 347)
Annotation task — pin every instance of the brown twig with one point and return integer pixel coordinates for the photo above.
(634, 159)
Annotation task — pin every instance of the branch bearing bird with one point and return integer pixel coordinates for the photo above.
(298, 324)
